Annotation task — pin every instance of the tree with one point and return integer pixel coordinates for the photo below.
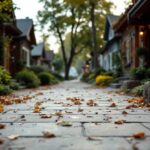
(95, 13)
(60, 19)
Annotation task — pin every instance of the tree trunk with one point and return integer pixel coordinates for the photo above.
(94, 37)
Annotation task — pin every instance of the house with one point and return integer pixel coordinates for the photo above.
(110, 52)
(139, 16)
(26, 41)
(40, 56)
(134, 28)
(8, 45)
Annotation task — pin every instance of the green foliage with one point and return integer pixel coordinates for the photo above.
(138, 73)
(4, 89)
(72, 15)
(5, 76)
(38, 69)
(47, 78)
(28, 78)
(6, 8)
(14, 85)
(58, 76)
(138, 91)
(141, 51)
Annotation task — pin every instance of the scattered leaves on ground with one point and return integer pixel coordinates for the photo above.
(139, 135)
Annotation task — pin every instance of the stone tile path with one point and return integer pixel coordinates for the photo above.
(91, 127)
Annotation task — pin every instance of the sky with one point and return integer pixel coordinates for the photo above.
(29, 8)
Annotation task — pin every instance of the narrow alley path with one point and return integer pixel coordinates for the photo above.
(74, 116)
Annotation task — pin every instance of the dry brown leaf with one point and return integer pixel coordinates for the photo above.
(2, 126)
(80, 110)
(91, 102)
(113, 104)
(1, 141)
(44, 116)
(139, 135)
(48, 134)
(124, 113)
(77, 102)
(58, 113)
(119, 122)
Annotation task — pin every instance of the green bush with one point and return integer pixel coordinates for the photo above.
(14, 85)
(47, 78)
(5, 89)
(28, 78)
(140, 51)
(138, 91)
(138, 73)
(38, 69)
(58, 76)
(5, 76)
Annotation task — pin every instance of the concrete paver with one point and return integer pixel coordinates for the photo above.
(92, 128)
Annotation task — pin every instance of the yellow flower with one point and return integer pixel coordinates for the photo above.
(103, 79)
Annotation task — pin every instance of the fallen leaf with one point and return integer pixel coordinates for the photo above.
(119, 122)
(80, 110)
(48, 134)
(58, 113)
(139, 135)
(44, 116)
(36, 110)
(1, 108)
(2, 126)
(13, 137)
(64, 123)
(91, 102)
(1, 141)
(124, 113)
(113, 104)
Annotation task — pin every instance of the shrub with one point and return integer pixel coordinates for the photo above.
(138, 91)
(103, 80)
(5, 76)
(140, 51)
(58, 76)
(38, 69)
(5, 89)
(47, 78)
(138, 73)
(28, 78)
(14, 85)
(85, 77)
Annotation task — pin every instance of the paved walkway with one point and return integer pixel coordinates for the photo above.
(80, 118)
